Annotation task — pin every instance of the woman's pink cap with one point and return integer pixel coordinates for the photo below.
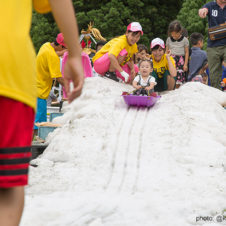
(135, 26)
(60, 39)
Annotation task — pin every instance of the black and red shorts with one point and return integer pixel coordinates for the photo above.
(16, 128)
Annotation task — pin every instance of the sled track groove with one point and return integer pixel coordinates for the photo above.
(131, 168)
(120, 147)
(139, 152)
(127, 151)
(114, 147)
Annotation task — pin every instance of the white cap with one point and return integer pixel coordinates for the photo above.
(157, 41)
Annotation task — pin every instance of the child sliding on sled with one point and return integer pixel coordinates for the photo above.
(144, 82)
(115, 59)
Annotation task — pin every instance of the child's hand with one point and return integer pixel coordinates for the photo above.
(168, 53)
(223, 84)
(185, 68)
(149, 87)
(137, 87)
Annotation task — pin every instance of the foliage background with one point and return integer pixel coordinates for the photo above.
(111, 17)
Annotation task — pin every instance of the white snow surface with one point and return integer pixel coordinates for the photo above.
(114, 165)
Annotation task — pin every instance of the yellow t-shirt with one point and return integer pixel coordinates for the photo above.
(161, 66)
(115, 46)
(17, 55)
(48, 67)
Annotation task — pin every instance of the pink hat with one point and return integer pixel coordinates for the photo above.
(157, 41)
(135, 26)
(60, 39)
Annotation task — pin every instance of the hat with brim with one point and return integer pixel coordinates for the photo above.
(60, 39)
(157, 42)
(135, 26)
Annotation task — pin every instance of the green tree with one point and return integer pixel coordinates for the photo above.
(190, 19)
(43, 29)
(111, 17)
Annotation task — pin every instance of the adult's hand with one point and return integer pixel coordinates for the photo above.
(73, 71)
(203, 12)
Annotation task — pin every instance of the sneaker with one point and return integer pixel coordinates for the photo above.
(111, 75)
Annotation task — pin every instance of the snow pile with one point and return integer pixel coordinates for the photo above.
(110, 165)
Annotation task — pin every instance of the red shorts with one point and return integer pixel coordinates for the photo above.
(16, 128)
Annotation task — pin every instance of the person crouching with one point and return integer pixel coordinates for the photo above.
(115, 59)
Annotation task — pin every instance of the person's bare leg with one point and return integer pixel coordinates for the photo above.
(120, 60)
(170, 82)
(11, 205)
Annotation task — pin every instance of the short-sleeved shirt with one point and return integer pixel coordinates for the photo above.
(144, 82)
(115, 46)
(162, 66)
(177, 47)
(48, 67)
(160, 72)
(216, 16)
(17, 55)
(197, 60)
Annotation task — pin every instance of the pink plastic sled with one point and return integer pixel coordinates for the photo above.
(140, 101)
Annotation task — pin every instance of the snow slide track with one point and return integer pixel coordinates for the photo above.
(127, 151)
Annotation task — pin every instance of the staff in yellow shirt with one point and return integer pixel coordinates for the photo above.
(18, 93)
(47, 67)
(164, 69)
(115, 59)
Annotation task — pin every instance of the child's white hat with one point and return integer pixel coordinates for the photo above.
(157, 41)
